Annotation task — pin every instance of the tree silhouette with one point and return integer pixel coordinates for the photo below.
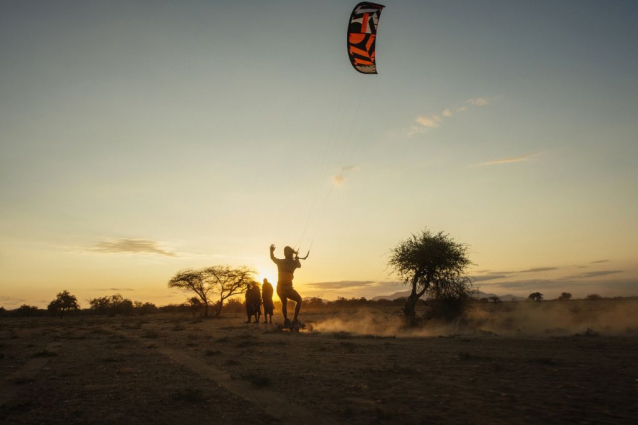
(593, 297)
(63, 302)
(115, 304)
(432, 263)
(193, 280)
(26, 310)
(565, 296)
(496, 299)
(227, 281)
(535, 296)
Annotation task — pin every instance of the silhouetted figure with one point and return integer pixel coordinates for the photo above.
(253, 303)
(269, 305)
(286, 268)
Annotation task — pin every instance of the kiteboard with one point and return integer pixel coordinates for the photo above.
(299, 326)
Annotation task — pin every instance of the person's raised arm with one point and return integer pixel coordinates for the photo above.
(272, 251)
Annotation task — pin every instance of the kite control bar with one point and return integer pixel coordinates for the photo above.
(302, 258)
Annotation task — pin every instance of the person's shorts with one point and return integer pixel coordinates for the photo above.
(286, 291)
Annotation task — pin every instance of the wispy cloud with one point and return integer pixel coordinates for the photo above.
(599, 273)
(538, 269)
(479, 101)
(599, 261)
(344, 284)
(340, 178)
(489, 277)
(131, 246)
(424, 123)
(509, 160)
(10, 300)
(116, 289)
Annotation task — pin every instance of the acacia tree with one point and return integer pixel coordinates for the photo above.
(535, 296)
(433, 263)
(193, 280)
(63, 301)
(227, 281)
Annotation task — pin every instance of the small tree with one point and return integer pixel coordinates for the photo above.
(227, 281)
(195, 305)
(535, 296)
(593, 297)
(432, 263)
(100, 305)
(145, 308)
(120, 305)
(565, 296)
(64, 301)
(26, 310)
(3, 312)
(193, 280)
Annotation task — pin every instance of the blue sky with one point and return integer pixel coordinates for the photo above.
(208, 130)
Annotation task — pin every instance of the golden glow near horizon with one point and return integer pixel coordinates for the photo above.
(133, 148)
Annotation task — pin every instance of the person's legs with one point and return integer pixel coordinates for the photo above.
(294, 295)
(283, 296)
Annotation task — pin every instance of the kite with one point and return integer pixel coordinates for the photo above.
(362, 33)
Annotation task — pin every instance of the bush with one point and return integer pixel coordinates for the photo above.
(27, 311)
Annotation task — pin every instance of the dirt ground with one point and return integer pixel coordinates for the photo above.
(168, 369)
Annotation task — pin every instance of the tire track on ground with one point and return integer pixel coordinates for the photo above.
(276, 405)
(27, 372)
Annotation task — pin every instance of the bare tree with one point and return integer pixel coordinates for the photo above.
(432, 263)
(64, 301)
(227, 281)
(193, 280)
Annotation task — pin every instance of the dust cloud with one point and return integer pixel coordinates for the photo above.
(549, 318)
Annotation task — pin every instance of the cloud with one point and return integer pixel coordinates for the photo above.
(489, 277)
(538, 269)
(344, 284)
(135, 246)
(508, 160)
(426, 122)
(117, 289)
(340, 178)
(431, 122)
(11, 300)
(588, 275)
(479, 101)
(599, 261)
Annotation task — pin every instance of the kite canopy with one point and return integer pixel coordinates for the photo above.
(362, 33)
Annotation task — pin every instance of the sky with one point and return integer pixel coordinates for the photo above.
(140, 138)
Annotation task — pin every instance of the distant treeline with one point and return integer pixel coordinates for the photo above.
(118, 305)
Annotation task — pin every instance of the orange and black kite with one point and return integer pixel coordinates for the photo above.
(362, 33)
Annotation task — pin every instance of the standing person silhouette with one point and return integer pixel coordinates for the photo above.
(286, 268)
(269, 306)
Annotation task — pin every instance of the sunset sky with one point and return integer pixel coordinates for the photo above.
(139, 138)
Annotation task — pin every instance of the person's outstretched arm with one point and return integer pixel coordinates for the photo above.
(272, 253)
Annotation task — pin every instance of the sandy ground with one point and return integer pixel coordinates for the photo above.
(165, 369)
